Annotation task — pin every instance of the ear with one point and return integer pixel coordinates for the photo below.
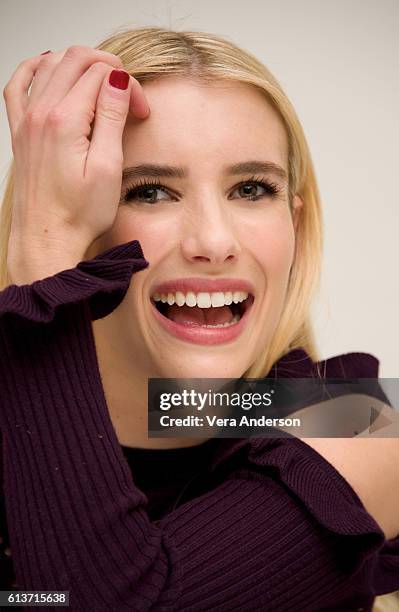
(296, 211)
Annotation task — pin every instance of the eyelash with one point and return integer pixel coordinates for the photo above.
(272, 189)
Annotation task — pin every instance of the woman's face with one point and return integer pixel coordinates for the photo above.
(201, 232)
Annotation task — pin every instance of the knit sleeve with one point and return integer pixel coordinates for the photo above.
(279, 529)
(102, 281)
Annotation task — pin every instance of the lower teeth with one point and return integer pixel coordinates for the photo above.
(233, 321)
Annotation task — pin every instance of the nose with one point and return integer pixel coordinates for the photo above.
(209, 233)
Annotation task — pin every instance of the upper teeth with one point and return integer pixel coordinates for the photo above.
(202, 300)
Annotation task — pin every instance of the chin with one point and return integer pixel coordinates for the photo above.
(209, 367)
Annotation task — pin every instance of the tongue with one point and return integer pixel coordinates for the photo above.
(193, 315)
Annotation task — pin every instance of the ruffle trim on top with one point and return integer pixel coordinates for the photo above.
(326, 495)
(102, 280)
(320, 487)
(298, 364)
(332, 501)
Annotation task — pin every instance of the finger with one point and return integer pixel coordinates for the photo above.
(16, 90)
(79, 105)
(82, 98)
(73, 64)
(43, 74)
(111, 112)
(138, 102)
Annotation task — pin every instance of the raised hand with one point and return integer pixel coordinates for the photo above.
(66, 112)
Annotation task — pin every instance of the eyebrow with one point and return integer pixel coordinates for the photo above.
(159, 171)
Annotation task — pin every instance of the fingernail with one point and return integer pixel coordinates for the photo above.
(44, 52)
(119, 79)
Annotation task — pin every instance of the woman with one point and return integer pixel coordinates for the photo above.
(218, 195)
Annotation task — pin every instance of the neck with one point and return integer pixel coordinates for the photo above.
(125, 390)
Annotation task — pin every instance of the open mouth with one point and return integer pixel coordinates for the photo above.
(206, 316)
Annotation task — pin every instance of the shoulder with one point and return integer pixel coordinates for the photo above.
(368, 463)
(339, 481)
(370, 467)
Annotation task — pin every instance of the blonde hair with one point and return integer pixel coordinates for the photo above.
(150, 53)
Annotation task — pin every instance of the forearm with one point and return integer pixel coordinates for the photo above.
(66, 483)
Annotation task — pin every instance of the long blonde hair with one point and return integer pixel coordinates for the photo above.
(150, 53)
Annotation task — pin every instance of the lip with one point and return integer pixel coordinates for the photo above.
(202, 335)
(205, 285)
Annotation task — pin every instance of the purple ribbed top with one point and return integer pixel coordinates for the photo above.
(265, 524)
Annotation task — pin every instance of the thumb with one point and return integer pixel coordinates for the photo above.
(110, 118)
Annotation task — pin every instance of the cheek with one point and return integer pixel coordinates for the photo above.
(272, 244)
(150, 230)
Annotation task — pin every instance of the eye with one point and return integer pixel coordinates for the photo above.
(249, 189)
(145, 191)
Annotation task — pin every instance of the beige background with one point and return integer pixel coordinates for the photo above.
(338, 61)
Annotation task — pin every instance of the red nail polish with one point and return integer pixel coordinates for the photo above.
(44, 52)
(119, 79)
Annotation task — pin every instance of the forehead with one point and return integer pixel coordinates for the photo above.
(200, 125)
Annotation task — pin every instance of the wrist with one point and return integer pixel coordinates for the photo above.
(27, 272)
(33, 261)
